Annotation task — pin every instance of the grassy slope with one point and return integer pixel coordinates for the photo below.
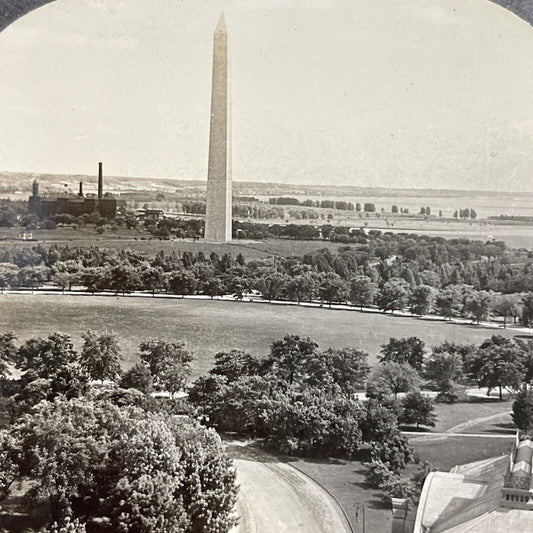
(211, 326)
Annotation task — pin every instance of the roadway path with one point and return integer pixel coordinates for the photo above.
(274, 497)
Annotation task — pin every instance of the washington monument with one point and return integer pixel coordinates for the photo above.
(218, 209)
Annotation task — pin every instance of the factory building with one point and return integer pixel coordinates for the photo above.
(45, 207)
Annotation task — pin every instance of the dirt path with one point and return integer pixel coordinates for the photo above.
(497, 417)
(276, 498)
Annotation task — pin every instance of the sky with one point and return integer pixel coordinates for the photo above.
(385, 93)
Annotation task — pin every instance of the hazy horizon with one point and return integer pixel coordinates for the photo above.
(433, 94)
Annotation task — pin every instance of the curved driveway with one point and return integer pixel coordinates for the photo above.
(274, 497)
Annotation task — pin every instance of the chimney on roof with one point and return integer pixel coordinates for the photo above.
(35, 188)
(80, 193)
(100, 180)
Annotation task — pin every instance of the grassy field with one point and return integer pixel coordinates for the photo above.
(446, 452)
(144, 242)
(346, 481)
(211, 326)
(517, 236)
(449, 416)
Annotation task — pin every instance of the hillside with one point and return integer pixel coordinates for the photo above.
(20, 182)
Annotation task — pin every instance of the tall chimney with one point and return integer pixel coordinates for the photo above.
(100, 180)
(81, 189)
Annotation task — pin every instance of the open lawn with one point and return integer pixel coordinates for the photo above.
(450, 416)
(346, 481)
(211, 326)
(446, 452)
(144, 242)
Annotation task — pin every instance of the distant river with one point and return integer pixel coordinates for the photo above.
(513, 204)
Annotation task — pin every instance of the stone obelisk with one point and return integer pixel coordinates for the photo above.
(218, 208)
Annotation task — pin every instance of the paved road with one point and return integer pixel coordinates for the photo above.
(276, 498)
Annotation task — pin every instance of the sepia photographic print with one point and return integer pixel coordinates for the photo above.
(266, 266)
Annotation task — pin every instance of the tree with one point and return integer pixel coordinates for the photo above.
(8, 354)
(53, 359)
(8, 213)
(449, 301)
(395, 452)
(343, 370)
(124, 278)
(95, 278)
(168, 362)
(138, 377)
(478, 305)
(33, 276)
(392, 378)
(380, 421)
(393, 295)
(398, 487)
(302, 287)
(288, 356)
(182, 282)
(130, 469)
(214, 287)
(152, 279)
(422, 300)
(507, 305)
(417, 408)
(498, 362)
(235, 364)
(332, 288)
(408, 350)
(362, 291)
(308, 424)
(527, 309)
(378, 473)
(9, 274)
(443, 370)
(63, 280)
(523, 409)
(272, 285)
(100, 355)
(234, 406)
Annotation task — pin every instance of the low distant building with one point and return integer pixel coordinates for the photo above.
(493, 495)
(45, 207)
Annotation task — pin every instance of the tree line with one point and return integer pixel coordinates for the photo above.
(450, 279)
(322, 204)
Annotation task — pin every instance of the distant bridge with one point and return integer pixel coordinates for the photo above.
(11, 10)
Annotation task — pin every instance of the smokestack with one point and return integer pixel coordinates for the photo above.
(100, 180)
(35, 188)
(81, 189)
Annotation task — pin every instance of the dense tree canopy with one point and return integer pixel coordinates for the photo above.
(123, 469)
(408, 350)
(497, 363)
(104, 458)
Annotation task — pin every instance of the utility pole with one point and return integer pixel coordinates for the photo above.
(360, 515)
